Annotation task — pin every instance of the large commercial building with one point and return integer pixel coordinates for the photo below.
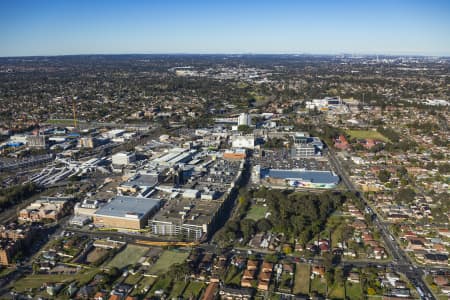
(193, 210)
(50, 208)
(123, 158)
(306, 146)
(244, 119)
(36, 141)
(126, 212)
(300, 178)
(175, 156)
(243, 141)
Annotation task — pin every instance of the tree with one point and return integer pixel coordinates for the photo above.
(245, 129)
(247, 228)
(329, 276)
(263, 225)
(405, 195)
(384, 176)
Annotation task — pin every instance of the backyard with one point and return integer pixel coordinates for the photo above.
(129, 256)
(167, 259)
(302, 273)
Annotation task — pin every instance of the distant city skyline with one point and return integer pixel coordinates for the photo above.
(397, 27)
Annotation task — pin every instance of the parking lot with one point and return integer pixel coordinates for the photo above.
(282, 159)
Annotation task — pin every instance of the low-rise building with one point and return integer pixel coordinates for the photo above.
(126, 212)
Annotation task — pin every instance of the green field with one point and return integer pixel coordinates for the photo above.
(367, 134)
(160, 284)
(166, 260)
(145, 283)
(133, 279)
(318, 285)
(337, 291)
(178, 289)
(302, 273)
(129, 256)
(36, 281)
(256, 212)
(353, 290)
(233, 276)
(193, 290)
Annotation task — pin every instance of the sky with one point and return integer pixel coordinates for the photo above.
(64, 27)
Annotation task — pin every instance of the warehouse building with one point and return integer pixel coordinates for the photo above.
(126, 212)
(123, 158)
(300, 178)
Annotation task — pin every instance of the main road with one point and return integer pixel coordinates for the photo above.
(400, 258)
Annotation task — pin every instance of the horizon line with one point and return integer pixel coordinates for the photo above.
(410, 54)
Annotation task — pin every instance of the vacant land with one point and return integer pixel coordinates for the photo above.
(302, 273)
(166, 260)
(256, 212)
(96, 254)
(367, 134)
(129, 256)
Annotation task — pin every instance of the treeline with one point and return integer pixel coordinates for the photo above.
(390, 133)
(300, 215)
(395, 143)
(15, 194)
(297, 215)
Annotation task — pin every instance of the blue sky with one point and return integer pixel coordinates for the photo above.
(59, 27)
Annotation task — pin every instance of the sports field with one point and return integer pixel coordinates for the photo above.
(367, 134)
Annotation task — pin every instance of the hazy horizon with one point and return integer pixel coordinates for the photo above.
(54, 28)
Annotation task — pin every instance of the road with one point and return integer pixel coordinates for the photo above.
(401, 260)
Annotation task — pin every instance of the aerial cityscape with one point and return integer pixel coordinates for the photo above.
(205, 169)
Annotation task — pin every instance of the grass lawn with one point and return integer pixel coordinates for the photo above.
(178, 289)
(129, 256)
(160, 284)
(144, 285)
(354, 290)
(167, 259)
(133, 279)
(367, 134)
(193, 289)
(337, 291)
(233, 276)
(96, 254)
(318, 285)
(256, 212)
(36, 281)
(302, 273)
